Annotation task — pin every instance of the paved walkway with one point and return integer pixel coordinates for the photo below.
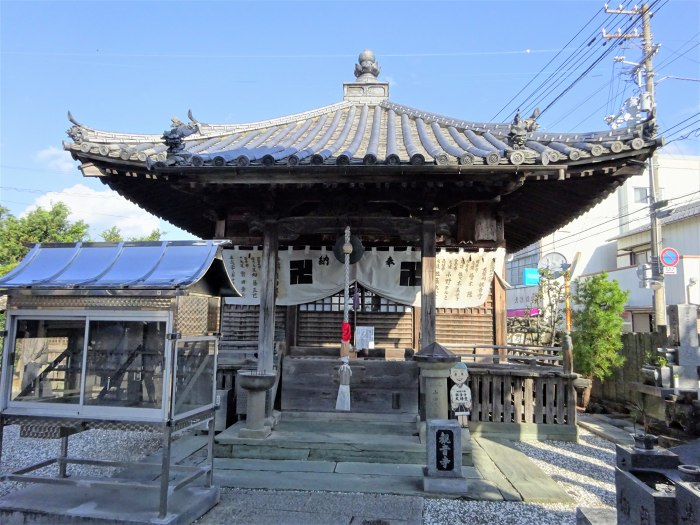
(272, 491)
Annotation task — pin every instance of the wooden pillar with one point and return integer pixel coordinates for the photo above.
(500, 329)
(290, 324)
(427, 307)
(220, 229)
(268, 279)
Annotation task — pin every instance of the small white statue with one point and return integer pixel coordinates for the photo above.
(460, 394)
(344, 374)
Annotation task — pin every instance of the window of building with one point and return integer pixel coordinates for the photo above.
(515, 267)
(641, 195)
(640, 257)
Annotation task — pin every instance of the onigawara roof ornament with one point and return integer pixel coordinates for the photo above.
(367, 70)
(174, 137)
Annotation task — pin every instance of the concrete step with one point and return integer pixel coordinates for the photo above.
(298, 415)
(339, 441)
(363, 477)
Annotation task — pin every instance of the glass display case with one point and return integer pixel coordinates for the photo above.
(115, 365)
(120, 336)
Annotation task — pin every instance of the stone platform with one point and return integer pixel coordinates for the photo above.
(370, 454)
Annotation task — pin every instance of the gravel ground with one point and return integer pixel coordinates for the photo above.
(584, 469)
(111, 445)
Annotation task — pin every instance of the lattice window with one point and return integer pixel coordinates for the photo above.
(361, 300)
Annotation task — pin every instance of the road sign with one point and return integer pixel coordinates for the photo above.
(670, 270)
(669, 257)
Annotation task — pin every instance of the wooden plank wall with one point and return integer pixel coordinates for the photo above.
(466, 325)
(391, 329)
(239, 331)
(376, 386)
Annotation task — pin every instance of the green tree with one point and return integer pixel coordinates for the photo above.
(597, 325)
(114, 234)
(17, 235)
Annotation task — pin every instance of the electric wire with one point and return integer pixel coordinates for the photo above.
(564, 68)
(576, 236)
(543, 68)
(666, 130)
(611, 48)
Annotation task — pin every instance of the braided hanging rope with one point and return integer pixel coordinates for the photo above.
(346, 292)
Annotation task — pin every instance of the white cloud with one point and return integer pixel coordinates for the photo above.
(57, 159)
(392, 82)
(101, 210)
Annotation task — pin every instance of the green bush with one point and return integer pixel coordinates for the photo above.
(597, 324)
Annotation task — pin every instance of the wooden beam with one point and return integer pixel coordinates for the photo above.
(428, 309)
(268, 278)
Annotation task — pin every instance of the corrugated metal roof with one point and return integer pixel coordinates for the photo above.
(125, 265)
(366, 128)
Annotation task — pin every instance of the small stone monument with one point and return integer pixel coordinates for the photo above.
(443, 472)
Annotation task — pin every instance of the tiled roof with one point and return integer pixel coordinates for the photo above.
(366, 128)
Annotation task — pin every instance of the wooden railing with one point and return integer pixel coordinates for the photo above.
(511, 354)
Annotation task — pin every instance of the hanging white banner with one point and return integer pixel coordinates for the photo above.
(462, 279)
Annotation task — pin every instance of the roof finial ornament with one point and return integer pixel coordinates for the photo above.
(519, 128)
(367, 70)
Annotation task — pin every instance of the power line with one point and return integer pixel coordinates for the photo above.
(564, 69)
(543, 68)
(610, 49)
(681, 122)
(575, 236)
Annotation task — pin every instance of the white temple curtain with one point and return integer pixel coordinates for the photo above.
(462, 279)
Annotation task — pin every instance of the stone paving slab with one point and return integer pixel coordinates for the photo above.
(530, 482)
(319, 481)
(297, 438)
(273, 465)
(392, 469)
(99, 505)
(489, 471)
(239, 507)
(602, 428)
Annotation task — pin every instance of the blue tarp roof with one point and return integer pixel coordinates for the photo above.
(124, 265)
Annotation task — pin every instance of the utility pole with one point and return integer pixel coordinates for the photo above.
(648, 103)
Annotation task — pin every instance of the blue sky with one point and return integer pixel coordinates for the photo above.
(131, 66)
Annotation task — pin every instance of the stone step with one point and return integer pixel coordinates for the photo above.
(299, 415)
(340, 441)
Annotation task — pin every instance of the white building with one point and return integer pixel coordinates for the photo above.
(614, 237)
